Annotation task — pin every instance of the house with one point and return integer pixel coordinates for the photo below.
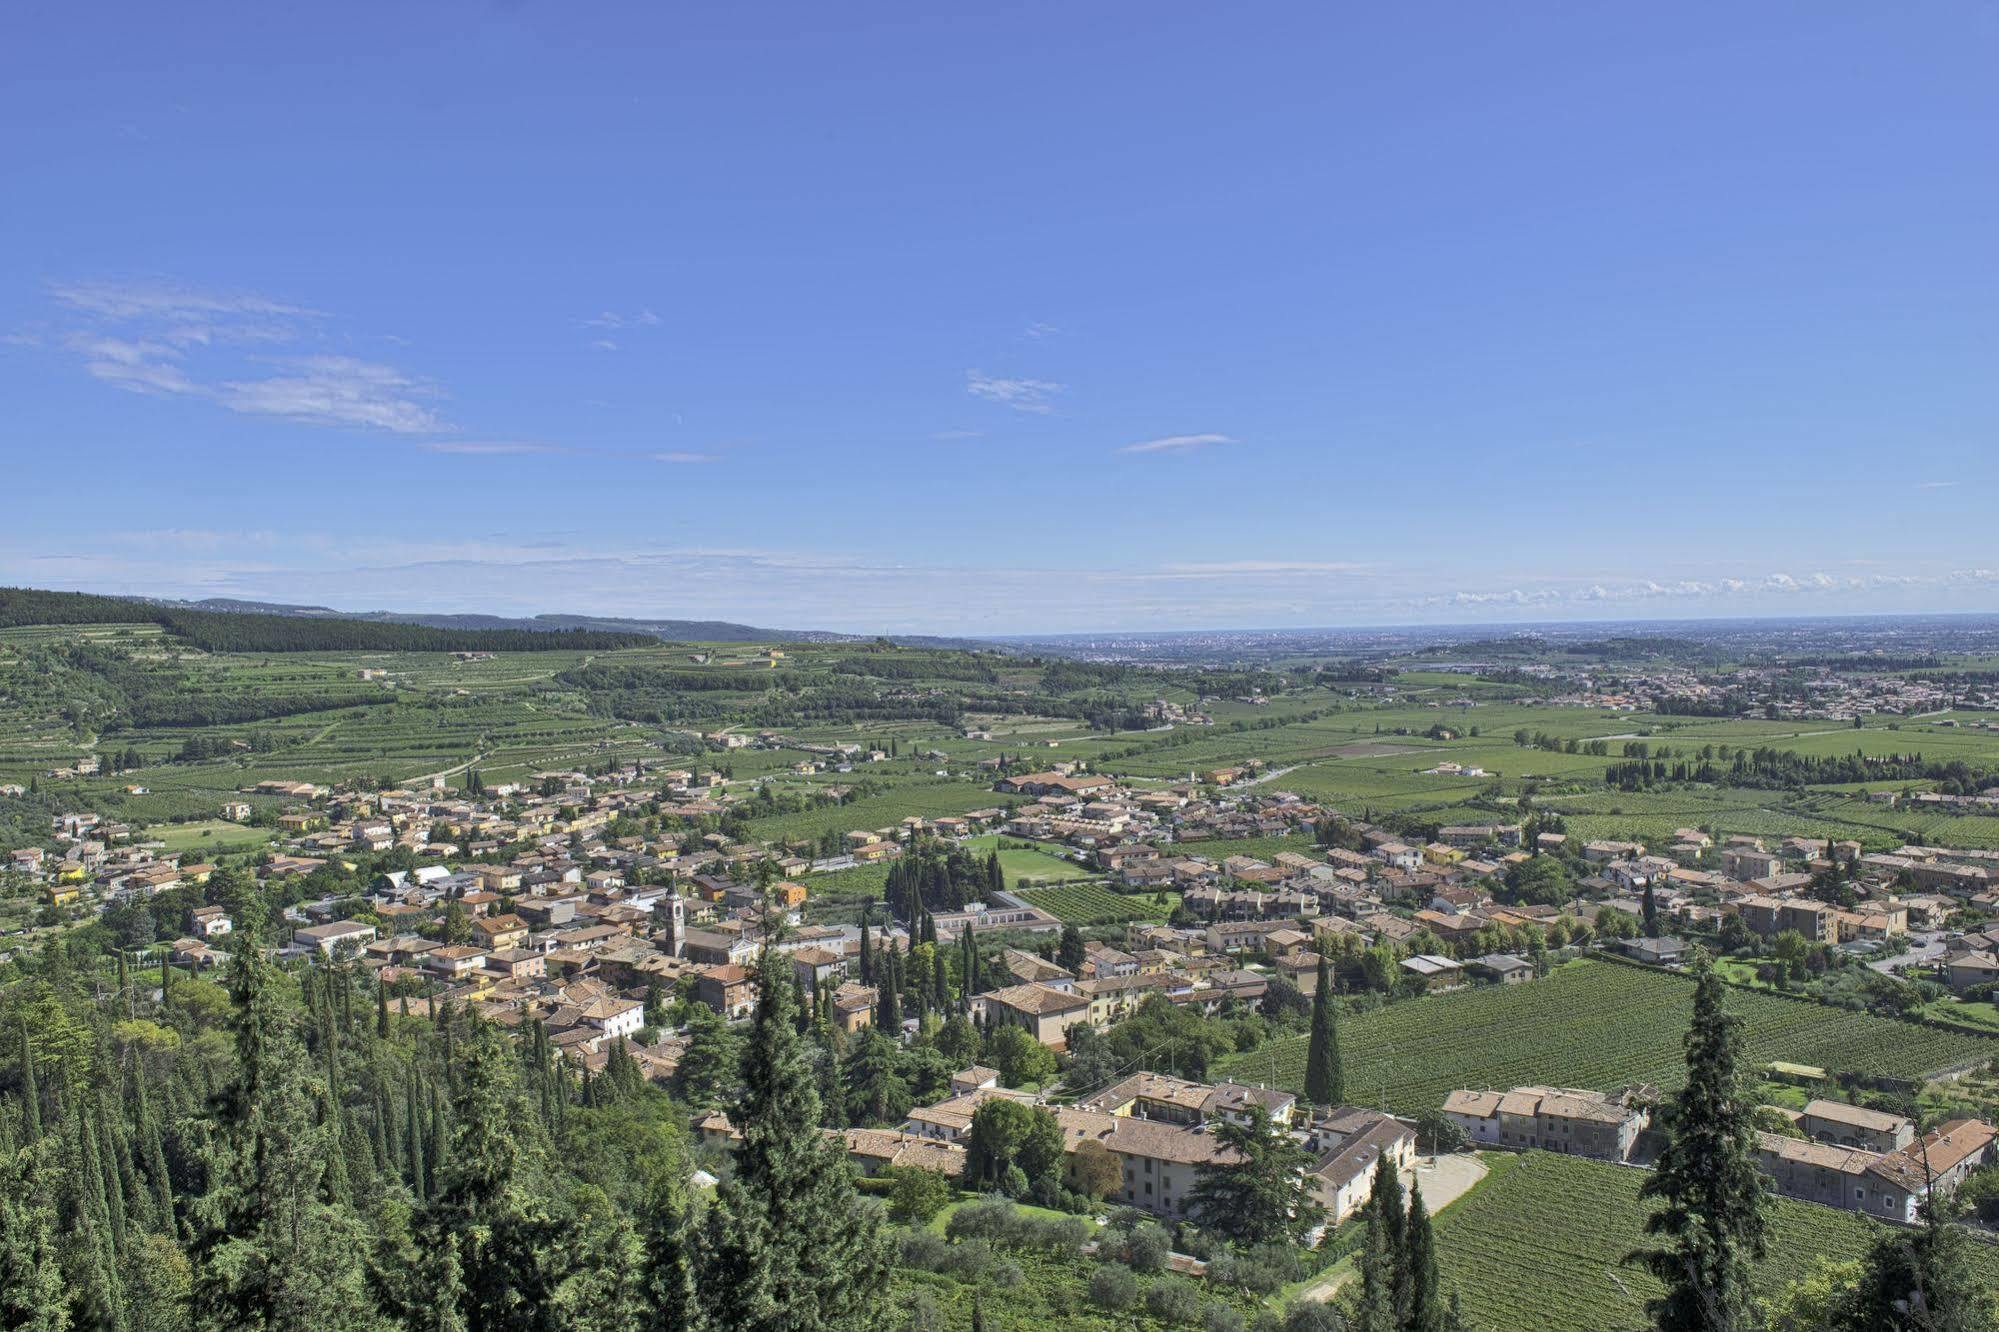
(507, 931)
(727, 988)
(456, 961)
(342, 936)
(853, 1006)
(1506, 968)
(1855, 1126)
(1351, 1144)
(1043, 1011)
(1602, 1125)
(1964, 970)
(872, 1151)
(1436, 973)
(1664, 951)
(208, 922)
(1172, 1100)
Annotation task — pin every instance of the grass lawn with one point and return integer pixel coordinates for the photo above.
(207, 836)
(1017, 864)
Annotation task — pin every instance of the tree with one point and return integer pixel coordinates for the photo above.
(1069, 952)
(32, 1295)
(1386, 1211)
(269, 1250)
(1253, 1190)
(710, 1066)
(1018, 1057)
(875, 1090)
(1919, 1281)
(915, 1194)
(1325, 1077)
(788, 1246)
(1009, 1134)
(1418, 1262)
(1098, 1171)
(1651, 912)
(1712, 1218)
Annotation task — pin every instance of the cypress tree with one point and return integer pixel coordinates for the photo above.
(1386, 1201)
(867, 956)
(671, 1303)
(1712, 1217)
(32, 1293)
(1325, 1075)
(1419, 1265)
(1651, 909)
(789, 1247)
(31, 1092)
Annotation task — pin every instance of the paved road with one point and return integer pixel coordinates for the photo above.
(1922, 948)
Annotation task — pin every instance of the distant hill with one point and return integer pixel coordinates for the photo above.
(262, 631)
(214, 621)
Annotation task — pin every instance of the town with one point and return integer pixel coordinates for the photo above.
(1101, 989)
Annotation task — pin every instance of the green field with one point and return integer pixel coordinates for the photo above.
(1537, 1245)
(1591, 1024)
(207, 835)
(1091, 904)
(1041, 865)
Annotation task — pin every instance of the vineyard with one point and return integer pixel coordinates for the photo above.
(1591, 1024)
(1089, 904)
(1538, 1244)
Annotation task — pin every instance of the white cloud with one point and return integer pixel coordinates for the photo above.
(337, 391)
(1176, 444)
(1934, 485)
(682, 456)
(1023, 395)
(1039, 330)
(131, 301)
(959, 434)
(603, 344)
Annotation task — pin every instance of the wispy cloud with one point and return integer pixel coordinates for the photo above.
(682, 456)
(611, 319)
(943, 435)
(604, 344)
(489, 448)
(1934, 485)
(165, 338)
(1039, 330)
(1177, 444)
(337, 391)
(1023, 395)
(169, 301)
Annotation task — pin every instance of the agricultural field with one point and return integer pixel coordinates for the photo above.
(1539, 1243)
(1091, 904)
(1592, 1024)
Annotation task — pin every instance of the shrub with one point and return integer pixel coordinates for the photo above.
(1145, 1247)
(1173, 1299)
(1221, 1318)
(970, 1260)
(922, 1249)
(1113, 1286)
(916, 1194)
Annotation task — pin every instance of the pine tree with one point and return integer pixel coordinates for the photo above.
(1712, 1220)
(1257, 1195)
(1325, 1075)
(789, 1248)
(671, 1300)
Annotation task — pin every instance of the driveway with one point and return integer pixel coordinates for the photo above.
(1923, 948)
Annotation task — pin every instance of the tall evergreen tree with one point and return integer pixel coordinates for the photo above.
(32, 1295)
(270, 1252)
(1651, 910)
(1257, 1194)
(789, 1248)
(1418, 1261)
(1325, 1074)
(1386, 1204)
(1712, 1218)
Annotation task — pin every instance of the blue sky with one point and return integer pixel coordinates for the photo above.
(1052, 317)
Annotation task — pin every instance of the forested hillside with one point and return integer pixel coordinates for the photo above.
(229, 631)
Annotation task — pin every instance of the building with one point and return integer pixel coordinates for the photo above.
(342, 936)
(1352, 1145)
(1043, 1011)
(1854, 1126)
(1602, 1125)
